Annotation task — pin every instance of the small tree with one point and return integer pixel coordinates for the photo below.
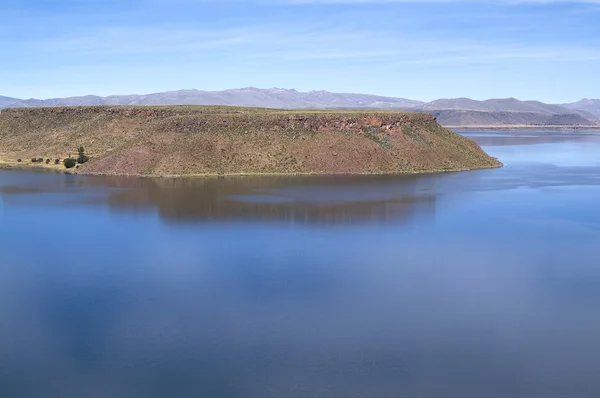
(82, 158)
(70, 163)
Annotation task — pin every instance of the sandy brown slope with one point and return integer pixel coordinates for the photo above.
(225, 140)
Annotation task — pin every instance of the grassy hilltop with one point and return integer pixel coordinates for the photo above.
(199, 140)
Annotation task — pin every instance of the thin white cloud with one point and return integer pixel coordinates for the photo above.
(281, 43)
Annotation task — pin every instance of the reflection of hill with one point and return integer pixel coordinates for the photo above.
(293, 199)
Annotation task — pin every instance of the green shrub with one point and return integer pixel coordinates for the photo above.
(70, 163)
(82, 158)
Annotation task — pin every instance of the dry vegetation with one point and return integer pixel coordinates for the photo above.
(195, 140)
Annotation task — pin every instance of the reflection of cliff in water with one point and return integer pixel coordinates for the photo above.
(303, 200)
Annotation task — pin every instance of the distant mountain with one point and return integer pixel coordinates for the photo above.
(586, 105)
(252, 97)
(6, 101)
(468, 118)
(457, 112)
(505, 112)
(494, 105)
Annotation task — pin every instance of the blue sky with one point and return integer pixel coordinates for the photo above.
(544, 49)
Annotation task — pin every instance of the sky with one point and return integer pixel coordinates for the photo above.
(547, 50)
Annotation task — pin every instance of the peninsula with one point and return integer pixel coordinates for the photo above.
(216, 140)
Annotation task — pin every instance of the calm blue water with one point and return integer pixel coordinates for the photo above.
(474, 284)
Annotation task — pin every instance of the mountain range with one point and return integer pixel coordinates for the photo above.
(587, 105)
(459, 112)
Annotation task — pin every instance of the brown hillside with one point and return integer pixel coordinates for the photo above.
(224, 140)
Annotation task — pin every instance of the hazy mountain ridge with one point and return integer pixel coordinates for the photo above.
(7, 101)
(450, 112)
(591, 106)
(253, 97)
(508, 111)
(494, 105)
(461, 118)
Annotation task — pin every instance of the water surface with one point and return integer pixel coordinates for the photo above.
(472, 284)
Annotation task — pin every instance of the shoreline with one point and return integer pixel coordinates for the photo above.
(40, 168)
(9, 165)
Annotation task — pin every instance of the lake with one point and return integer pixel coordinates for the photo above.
(470, 284)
